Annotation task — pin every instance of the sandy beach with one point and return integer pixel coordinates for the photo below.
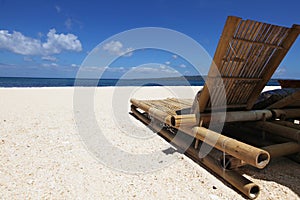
(43, 155)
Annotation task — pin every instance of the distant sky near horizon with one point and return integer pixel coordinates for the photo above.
(52, 38)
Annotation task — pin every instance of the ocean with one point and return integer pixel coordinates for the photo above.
(70, 82)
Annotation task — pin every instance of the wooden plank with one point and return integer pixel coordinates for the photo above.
(227, 34)
(274, 63)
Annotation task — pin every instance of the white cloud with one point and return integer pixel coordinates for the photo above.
(93, 69)
(151, 71)
(182, 66)
(68, 23)
(101, 69)
(116, 69)
(27, 59)
(50, 65)
(175, 56)
(40, 34)
(280, 71)
(168, 62)
(17, 43)
(59, 42)
(74, 65)
(57, 8)
(116, 48)
(49, 58)
(187, 73)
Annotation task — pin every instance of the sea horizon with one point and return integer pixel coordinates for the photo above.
(8, 82)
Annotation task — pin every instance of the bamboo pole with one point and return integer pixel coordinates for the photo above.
(250, 154)
(183, 120)
(263, 135)
(287, 124)
(284, 149)
(275, 151)
(280, 130)
(286, 101)
(286, 113)
(252, 115)
(237, 116)
(248, 188)
(249, 136)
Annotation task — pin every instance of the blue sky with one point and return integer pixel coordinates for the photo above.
(53, 38)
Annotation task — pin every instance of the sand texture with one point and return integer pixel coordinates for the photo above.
(44, 156)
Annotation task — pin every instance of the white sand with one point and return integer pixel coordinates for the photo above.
(42, 155)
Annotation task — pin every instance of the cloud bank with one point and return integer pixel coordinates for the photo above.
(55, 43)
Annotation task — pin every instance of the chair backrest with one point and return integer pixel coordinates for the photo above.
(247, 55)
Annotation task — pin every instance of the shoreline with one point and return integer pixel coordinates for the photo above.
(57, 87)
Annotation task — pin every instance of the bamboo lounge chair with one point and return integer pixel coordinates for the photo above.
(247, 55)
